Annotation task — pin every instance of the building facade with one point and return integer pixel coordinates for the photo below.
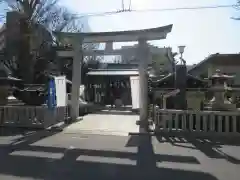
(227, 63)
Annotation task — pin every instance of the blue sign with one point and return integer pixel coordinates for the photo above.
(51, 95)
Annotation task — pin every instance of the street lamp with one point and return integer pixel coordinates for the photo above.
(181, 51)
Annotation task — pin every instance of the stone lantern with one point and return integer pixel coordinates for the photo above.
(220, 102)
(6, 84)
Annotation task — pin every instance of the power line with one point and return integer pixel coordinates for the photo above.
(187, 8)
(157, 10)
(100, 14)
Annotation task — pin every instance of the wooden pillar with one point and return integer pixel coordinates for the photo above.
(143, 57)
(76, 78)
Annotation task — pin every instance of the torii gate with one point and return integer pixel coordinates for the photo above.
(142, 53)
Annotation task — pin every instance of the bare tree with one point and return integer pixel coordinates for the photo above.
(164, 63)
(46, 13)
(237, 7)
(39, 19)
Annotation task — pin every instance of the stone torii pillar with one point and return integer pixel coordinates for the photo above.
(76, 77)
(143, 57)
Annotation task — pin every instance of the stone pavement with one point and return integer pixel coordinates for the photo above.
(111, 122)
(61, 156)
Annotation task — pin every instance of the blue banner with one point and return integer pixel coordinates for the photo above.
(51, 94)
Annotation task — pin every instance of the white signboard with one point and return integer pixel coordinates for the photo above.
(135, 91)
(61, 91)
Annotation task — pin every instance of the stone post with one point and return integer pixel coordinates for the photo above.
(143, 57)
(4, 89)
(76, 78)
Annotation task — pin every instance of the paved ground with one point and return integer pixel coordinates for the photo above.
(62, 156)
(106, 123)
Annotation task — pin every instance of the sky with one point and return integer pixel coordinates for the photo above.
(203, 32)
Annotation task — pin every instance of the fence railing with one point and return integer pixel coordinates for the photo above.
(203, 122)
(31, 116)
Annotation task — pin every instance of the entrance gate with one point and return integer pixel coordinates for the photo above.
(141, 52)
(105, 86)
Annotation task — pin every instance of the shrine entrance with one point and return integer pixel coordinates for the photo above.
(141, 52)
(110, 88)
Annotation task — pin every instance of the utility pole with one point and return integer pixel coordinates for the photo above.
(123, 5)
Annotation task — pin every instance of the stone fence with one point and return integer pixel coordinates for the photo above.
(224, 123)
(31, 116)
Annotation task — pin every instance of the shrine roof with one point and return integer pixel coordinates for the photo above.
(219, 59)
(121, 66)
(113, 72)
(171, 75)
(221, 76)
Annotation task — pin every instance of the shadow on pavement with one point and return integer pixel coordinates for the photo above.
(211, 147)
(24, 140)
(68, 167)
(9, 131)
(146, 148)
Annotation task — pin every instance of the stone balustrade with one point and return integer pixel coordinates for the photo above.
(31, 116)
(202, 122)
